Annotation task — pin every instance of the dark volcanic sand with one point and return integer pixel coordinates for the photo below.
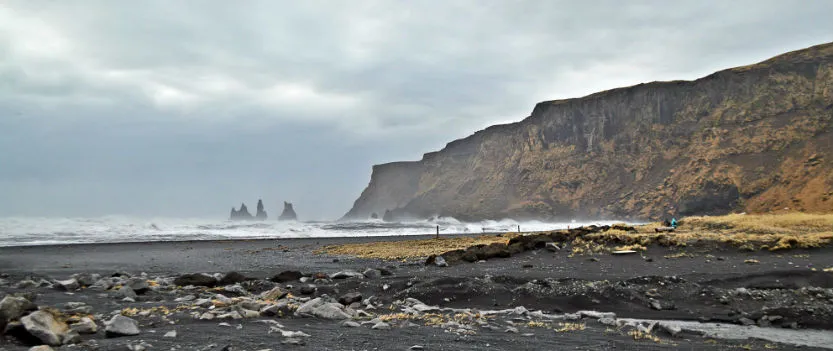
(622, 284)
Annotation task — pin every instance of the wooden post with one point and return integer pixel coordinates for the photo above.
(519, 228)
(438, 231)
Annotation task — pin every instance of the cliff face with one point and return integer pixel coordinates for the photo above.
(753, 138)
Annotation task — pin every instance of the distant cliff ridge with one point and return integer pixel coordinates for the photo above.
(753, 138)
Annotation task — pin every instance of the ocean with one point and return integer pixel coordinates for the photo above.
(25, 231)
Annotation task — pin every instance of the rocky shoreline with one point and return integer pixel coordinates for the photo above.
(535, 299)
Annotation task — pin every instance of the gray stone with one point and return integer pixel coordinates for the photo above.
(551, 246)
(371, 273)
(607, 321)
(321, 309)
(196, 279)
(45, 327)
(511, 330)
(381, 326)
(127, 291)
(439, 261)
(139, 285)
(350, 324)
(346, 274)
(275, 294)
(170, 334)
(121, 326)
(26, 284)
(670, 328)
(350, 298)
(84, 326)
(68, 285)
(416, 347)
(12, 307)
(41, 348)
(186, 298)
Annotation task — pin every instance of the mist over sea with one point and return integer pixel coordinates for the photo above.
(21, 231)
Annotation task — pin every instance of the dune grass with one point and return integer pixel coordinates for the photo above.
(391, 250)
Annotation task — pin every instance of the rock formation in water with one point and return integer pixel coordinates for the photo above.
(261, 214)
(288, 213)
(241, 214)
(754, 138)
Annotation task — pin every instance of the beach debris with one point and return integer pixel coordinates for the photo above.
(624, 252)
(196, 279)
(121, 326)
(287, 276)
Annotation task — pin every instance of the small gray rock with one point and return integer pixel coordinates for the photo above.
(439, 261)
(85, 326)
(371, 273)
(67, 285)
(121, 326)
(351, 324)
(350, 298)
(381, 326)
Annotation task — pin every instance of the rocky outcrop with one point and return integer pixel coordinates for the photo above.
(261, 213)
(241, 214)
(288, 213)
(754, 138)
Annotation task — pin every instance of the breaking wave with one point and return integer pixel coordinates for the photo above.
(20, 231)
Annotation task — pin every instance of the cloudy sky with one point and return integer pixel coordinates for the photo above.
(185, 108)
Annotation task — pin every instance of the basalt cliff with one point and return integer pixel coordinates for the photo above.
(755, 138)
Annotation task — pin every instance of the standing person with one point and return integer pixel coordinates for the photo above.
(674, 223)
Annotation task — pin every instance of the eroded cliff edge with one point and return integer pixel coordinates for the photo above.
(753, 138)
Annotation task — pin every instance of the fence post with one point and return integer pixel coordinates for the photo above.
(519, 228)
(438, 231)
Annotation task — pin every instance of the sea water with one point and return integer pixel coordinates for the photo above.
(20, 231)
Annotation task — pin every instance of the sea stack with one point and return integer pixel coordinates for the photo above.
(241, 214)
(288, 213)
(261, 213)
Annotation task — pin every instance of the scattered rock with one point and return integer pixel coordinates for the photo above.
(12, 307)
(127, 292)
(317, 307)
(196, 279)
(511, 330)
(139, 285)
(349, 298)
(121, 326)
(351, 324)
(232, 278)
(67, 285)
(287, 276)
(84, 326)
(381, 326)
(275, 294)
(307, 290)
(26, 284)
(527, 266)
(552, 247)
(41, 348)
(371, 273)
(345, 275)
(44, 326)
(669, 328)
(170, 334)
(593, 259)
(416, 347)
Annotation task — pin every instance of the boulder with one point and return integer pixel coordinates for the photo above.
(196, 279)
(288, 213)
(287, 276)
(121, 326)
(84, 326)
(41, 348)
(232, 278)
(86, 279)
(44, 326)
(12, 307)
(349, 298)
(126, 291)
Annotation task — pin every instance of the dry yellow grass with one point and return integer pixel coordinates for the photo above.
(745, 231)
(391, 250)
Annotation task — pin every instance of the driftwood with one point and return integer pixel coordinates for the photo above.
(664, 229)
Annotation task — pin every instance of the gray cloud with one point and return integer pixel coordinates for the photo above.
(188, 107)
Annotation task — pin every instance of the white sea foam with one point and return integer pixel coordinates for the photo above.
(19, 231)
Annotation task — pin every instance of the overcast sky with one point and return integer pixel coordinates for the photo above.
(185, 108)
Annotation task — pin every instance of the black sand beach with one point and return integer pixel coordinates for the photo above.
(715, 285)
